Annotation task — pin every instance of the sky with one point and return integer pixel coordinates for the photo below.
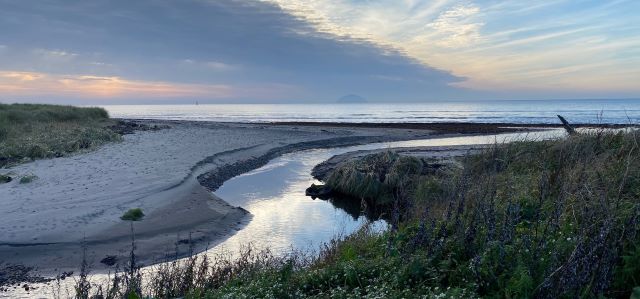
(264, 51)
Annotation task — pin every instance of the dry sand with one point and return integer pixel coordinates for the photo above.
(78, 199)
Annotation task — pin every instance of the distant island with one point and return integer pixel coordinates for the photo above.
(352, 98)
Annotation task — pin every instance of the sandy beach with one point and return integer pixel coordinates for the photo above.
(168, 173)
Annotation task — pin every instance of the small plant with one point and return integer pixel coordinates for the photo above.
(133, 215)
(5, 179)
(27, 179)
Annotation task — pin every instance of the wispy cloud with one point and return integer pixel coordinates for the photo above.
(455, 29)
(54, 54)
(498, 45)
(30, 83)
(211, 65)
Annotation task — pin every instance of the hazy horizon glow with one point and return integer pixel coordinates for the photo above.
(316, 50)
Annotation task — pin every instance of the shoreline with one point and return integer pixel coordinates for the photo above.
(210, 219)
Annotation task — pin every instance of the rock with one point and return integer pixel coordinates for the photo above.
(110, 260)
(318, 191)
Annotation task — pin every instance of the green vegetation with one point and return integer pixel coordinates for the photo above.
(549, 219)
(133, 215)
(5, 178)
(375, 177)
(30, 131)
(27, 179)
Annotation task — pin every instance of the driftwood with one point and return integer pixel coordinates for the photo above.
(567, 126)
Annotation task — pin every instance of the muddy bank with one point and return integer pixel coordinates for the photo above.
(450, 128)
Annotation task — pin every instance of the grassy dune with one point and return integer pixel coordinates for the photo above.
(30, 131)
(549, 219)
(376, 177)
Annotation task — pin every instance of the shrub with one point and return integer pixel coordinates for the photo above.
(27, 179)
(133, 215)
(5, 178)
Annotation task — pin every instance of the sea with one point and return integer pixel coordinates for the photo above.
(520, 112)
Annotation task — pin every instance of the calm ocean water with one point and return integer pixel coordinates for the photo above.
(582, 111)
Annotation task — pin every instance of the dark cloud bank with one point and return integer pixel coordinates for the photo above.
(239, 43)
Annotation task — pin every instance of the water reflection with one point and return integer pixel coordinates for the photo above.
(283, 216)
(354, 207)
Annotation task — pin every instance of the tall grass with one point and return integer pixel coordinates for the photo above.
(32, 131)
(375, 176)
(545, 219)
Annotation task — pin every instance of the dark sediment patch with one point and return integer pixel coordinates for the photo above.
(214, 179)
(124, 127)
(109, 260)
(11, 275)
(448, 128)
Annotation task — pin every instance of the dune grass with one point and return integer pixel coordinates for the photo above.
(547, 219)
(34, 131)
(4, 178)
(375, 176)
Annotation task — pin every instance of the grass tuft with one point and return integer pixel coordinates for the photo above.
(5, 178)
(375, 177)
(27, 179)
(133, 215)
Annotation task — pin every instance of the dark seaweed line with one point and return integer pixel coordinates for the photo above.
(212, 180)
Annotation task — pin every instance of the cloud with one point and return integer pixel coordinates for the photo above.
(88, 86)
(319, 50)
(202, 42)
(498, 45)
(35, 85)
(454, 28)
(211, 65)
(21, 76)
(54, 53)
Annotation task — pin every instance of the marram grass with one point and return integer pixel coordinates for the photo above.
(31, 131)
